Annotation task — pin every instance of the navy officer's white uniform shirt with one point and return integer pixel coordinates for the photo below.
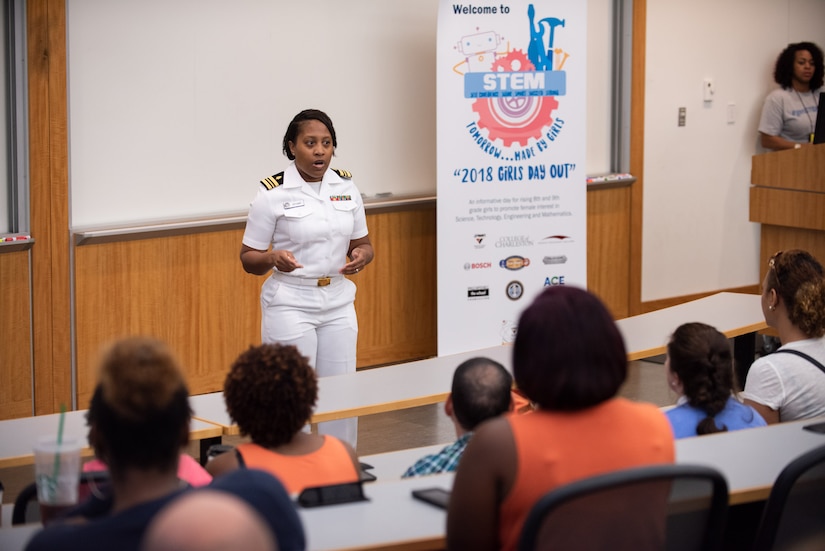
(317, 229)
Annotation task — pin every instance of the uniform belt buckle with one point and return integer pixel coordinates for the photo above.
(324, 281)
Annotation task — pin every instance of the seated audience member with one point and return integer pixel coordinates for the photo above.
(700, 371)
(268, 496)
(138, 422)
(244, 509)
(208, 521)
(569, 359)
(480, 391)
(790, 383)
(270, 393)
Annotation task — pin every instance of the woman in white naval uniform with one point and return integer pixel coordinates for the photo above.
(301, 227)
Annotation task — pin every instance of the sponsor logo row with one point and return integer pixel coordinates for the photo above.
(514, 289)
(481, 240)
(515, 262)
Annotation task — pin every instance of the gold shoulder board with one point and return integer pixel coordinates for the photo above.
(343, 173)
(273, 181)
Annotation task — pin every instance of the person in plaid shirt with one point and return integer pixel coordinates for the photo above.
(480, 391)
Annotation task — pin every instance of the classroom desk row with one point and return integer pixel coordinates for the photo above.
(18, 436)
(749, 459)
(408, 384)
(428, 381)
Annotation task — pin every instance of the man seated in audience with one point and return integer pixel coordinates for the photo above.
(208, 521)
(138, 423)
(480, 391)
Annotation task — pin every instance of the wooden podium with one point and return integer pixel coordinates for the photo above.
(788, 198)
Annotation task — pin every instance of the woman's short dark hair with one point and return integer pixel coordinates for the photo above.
(294, 128)
(701, 357)
(797, 277)
(139, 411)
(568, 354)
(783, 72)
(270, 391)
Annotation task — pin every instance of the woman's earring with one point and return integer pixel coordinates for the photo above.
(771, 307)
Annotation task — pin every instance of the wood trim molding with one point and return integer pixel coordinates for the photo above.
(49, 189)
(637, 153)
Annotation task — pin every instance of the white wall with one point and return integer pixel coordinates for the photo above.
(696, 233)
(177, 108)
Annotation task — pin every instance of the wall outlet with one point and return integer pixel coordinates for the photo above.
(682, 115)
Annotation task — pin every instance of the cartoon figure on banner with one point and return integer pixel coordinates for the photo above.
(479, 51)
(515, 93)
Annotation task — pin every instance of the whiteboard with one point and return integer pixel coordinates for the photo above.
(177, 108)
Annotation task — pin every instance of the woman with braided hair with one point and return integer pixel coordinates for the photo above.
(700, 370)
(790, 383)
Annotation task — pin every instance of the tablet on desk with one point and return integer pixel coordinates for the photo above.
(332, 494)
(434, 496)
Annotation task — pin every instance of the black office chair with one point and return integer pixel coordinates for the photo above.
(672, 507)
(794, 515)
(27, 509)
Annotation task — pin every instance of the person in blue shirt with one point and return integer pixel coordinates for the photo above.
(700, 371)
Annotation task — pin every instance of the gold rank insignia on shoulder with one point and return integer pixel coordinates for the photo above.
(273, 181)
(346, 174)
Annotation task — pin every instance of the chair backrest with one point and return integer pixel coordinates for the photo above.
(794, 515)
(27, 509)
(673, 507)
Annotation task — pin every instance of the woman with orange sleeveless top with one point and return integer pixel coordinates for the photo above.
(569, 359)
(270, 392)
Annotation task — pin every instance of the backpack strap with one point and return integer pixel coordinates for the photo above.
(802, 355)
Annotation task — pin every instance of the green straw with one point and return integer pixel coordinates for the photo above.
(57, 452)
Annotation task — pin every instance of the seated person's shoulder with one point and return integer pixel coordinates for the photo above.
(269, 498)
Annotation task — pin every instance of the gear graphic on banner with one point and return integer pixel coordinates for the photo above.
(515, 119)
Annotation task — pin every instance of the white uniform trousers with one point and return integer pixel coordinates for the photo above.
(321, 323)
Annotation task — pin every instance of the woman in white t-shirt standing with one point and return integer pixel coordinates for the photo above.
(790, 383)
(789, 113)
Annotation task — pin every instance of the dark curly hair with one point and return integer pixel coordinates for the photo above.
(797, 277)
(294, 128)
(270, 391)
(569, 354)
(783, 72)
(701, 357)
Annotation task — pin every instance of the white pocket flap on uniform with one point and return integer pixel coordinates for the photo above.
(299, 211)
(344, 205)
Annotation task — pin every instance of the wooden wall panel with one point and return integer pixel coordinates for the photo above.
(192, 292)
(49, 198)
(15, 326)
(396, 300)
(608, 247)
(189, 290)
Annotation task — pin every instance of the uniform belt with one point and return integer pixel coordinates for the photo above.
(312, 282)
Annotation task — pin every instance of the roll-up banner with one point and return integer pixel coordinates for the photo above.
(512, 204)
